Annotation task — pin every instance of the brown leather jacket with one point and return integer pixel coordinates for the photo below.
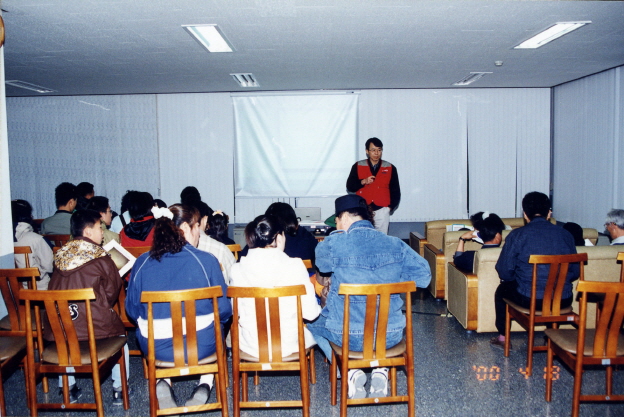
(83, 264)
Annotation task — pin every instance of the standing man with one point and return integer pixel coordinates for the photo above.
(377, 182)
(538, 237)
(356, 253)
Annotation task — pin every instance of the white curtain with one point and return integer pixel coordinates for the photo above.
(294, 145)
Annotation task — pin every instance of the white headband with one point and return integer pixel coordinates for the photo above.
(159, 212)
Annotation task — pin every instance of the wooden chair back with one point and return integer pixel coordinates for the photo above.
(270, 355)
(374, 353)
(58, 240)
(602, 346)
(182, 304)
(235, 249)
(11, 283)
(551, 313)
(557, 276)
(307, 263)
(90, 356)
(137, 251)
(23, 250)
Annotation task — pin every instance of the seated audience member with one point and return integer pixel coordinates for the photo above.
(210, 245)
(299, 242)
(614, 226)
(123, 219)
(101, 205)
(357, 253)
(23, 235)
(140, 230)
(488, 231)
(538, 237)
(217, 229)
(159, 203)
(266, 265)
(577, 233)
(82, 263)
(174, 263)
(85, 192)
(190, 195)
(66, 199)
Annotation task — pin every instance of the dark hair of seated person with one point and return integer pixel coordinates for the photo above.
(218, 226)
(261, 232)
(81, 219)
(536, 204)
(488, 227)
(365, 214)
(98, 203)
(190, 195)
(141, 205)
(285, 214)
(577, 233)
(21, 211)
(168, 236)
(64, 192)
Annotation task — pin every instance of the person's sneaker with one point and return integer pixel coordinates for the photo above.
(118, 395)
(165, 395)
(200, 395)
(356, 381)
(497, 343)
(379, 383)
(74, 393)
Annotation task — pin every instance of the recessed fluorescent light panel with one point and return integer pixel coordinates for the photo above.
(246, 80)
(474, 76)
(209, 36)
(29, 86)
(550, 34)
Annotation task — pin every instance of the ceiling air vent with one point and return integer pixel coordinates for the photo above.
(29, 86)
(246, 80)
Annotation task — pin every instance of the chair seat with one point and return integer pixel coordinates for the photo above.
(566, 339)
(527, 311)
(164, 364)
(290, 358)
(105, 349)
(10, 346)
(394, 351)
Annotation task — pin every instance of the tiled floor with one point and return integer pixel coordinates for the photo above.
(457, 374)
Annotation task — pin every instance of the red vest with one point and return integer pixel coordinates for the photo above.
(379, 191)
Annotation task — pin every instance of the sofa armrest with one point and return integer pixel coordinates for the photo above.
(417, 242)
(462, 296)
(436, 261)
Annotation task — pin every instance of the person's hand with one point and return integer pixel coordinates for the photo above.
(368, 180)
(468, 235)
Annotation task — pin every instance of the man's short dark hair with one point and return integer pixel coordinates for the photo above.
(64, 192)
(99, 204)
(141, 205)
(84, 189)
(81, 219)
(536, 204)
(375, 141)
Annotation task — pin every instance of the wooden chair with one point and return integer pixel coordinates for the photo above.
(194, 365)
(23, 250)
(551, 313)
(137, 251)
(603, 346)
(96, 357)
(270, 346)
(58, 240)
(235, 248)
(13, 339)
(374, 354)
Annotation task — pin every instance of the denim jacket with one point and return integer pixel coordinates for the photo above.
(366, 256)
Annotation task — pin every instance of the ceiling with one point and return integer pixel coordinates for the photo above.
(84, 47)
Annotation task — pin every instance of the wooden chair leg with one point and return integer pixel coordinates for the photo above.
(153, 400)
(529, 368)
(256, 378)
(393, 378)
(124, 379)
(312, 367)
(411, 389)
(609, 380)
(344, 377)
(333, 380)
(576, 391)
(244, 393)
(97, 392)
(236, 390)
(507, 330)
(305, 388)
(549, 363)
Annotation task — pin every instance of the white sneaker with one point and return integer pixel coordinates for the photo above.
(355, 382)
(379, 383)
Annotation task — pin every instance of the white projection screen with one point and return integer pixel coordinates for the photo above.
(294, 145)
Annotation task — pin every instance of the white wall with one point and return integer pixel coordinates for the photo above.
(588, 148)
(162, 143)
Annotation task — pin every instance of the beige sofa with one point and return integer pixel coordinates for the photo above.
(471, 296)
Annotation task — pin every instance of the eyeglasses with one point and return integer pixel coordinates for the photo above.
(606, 225)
